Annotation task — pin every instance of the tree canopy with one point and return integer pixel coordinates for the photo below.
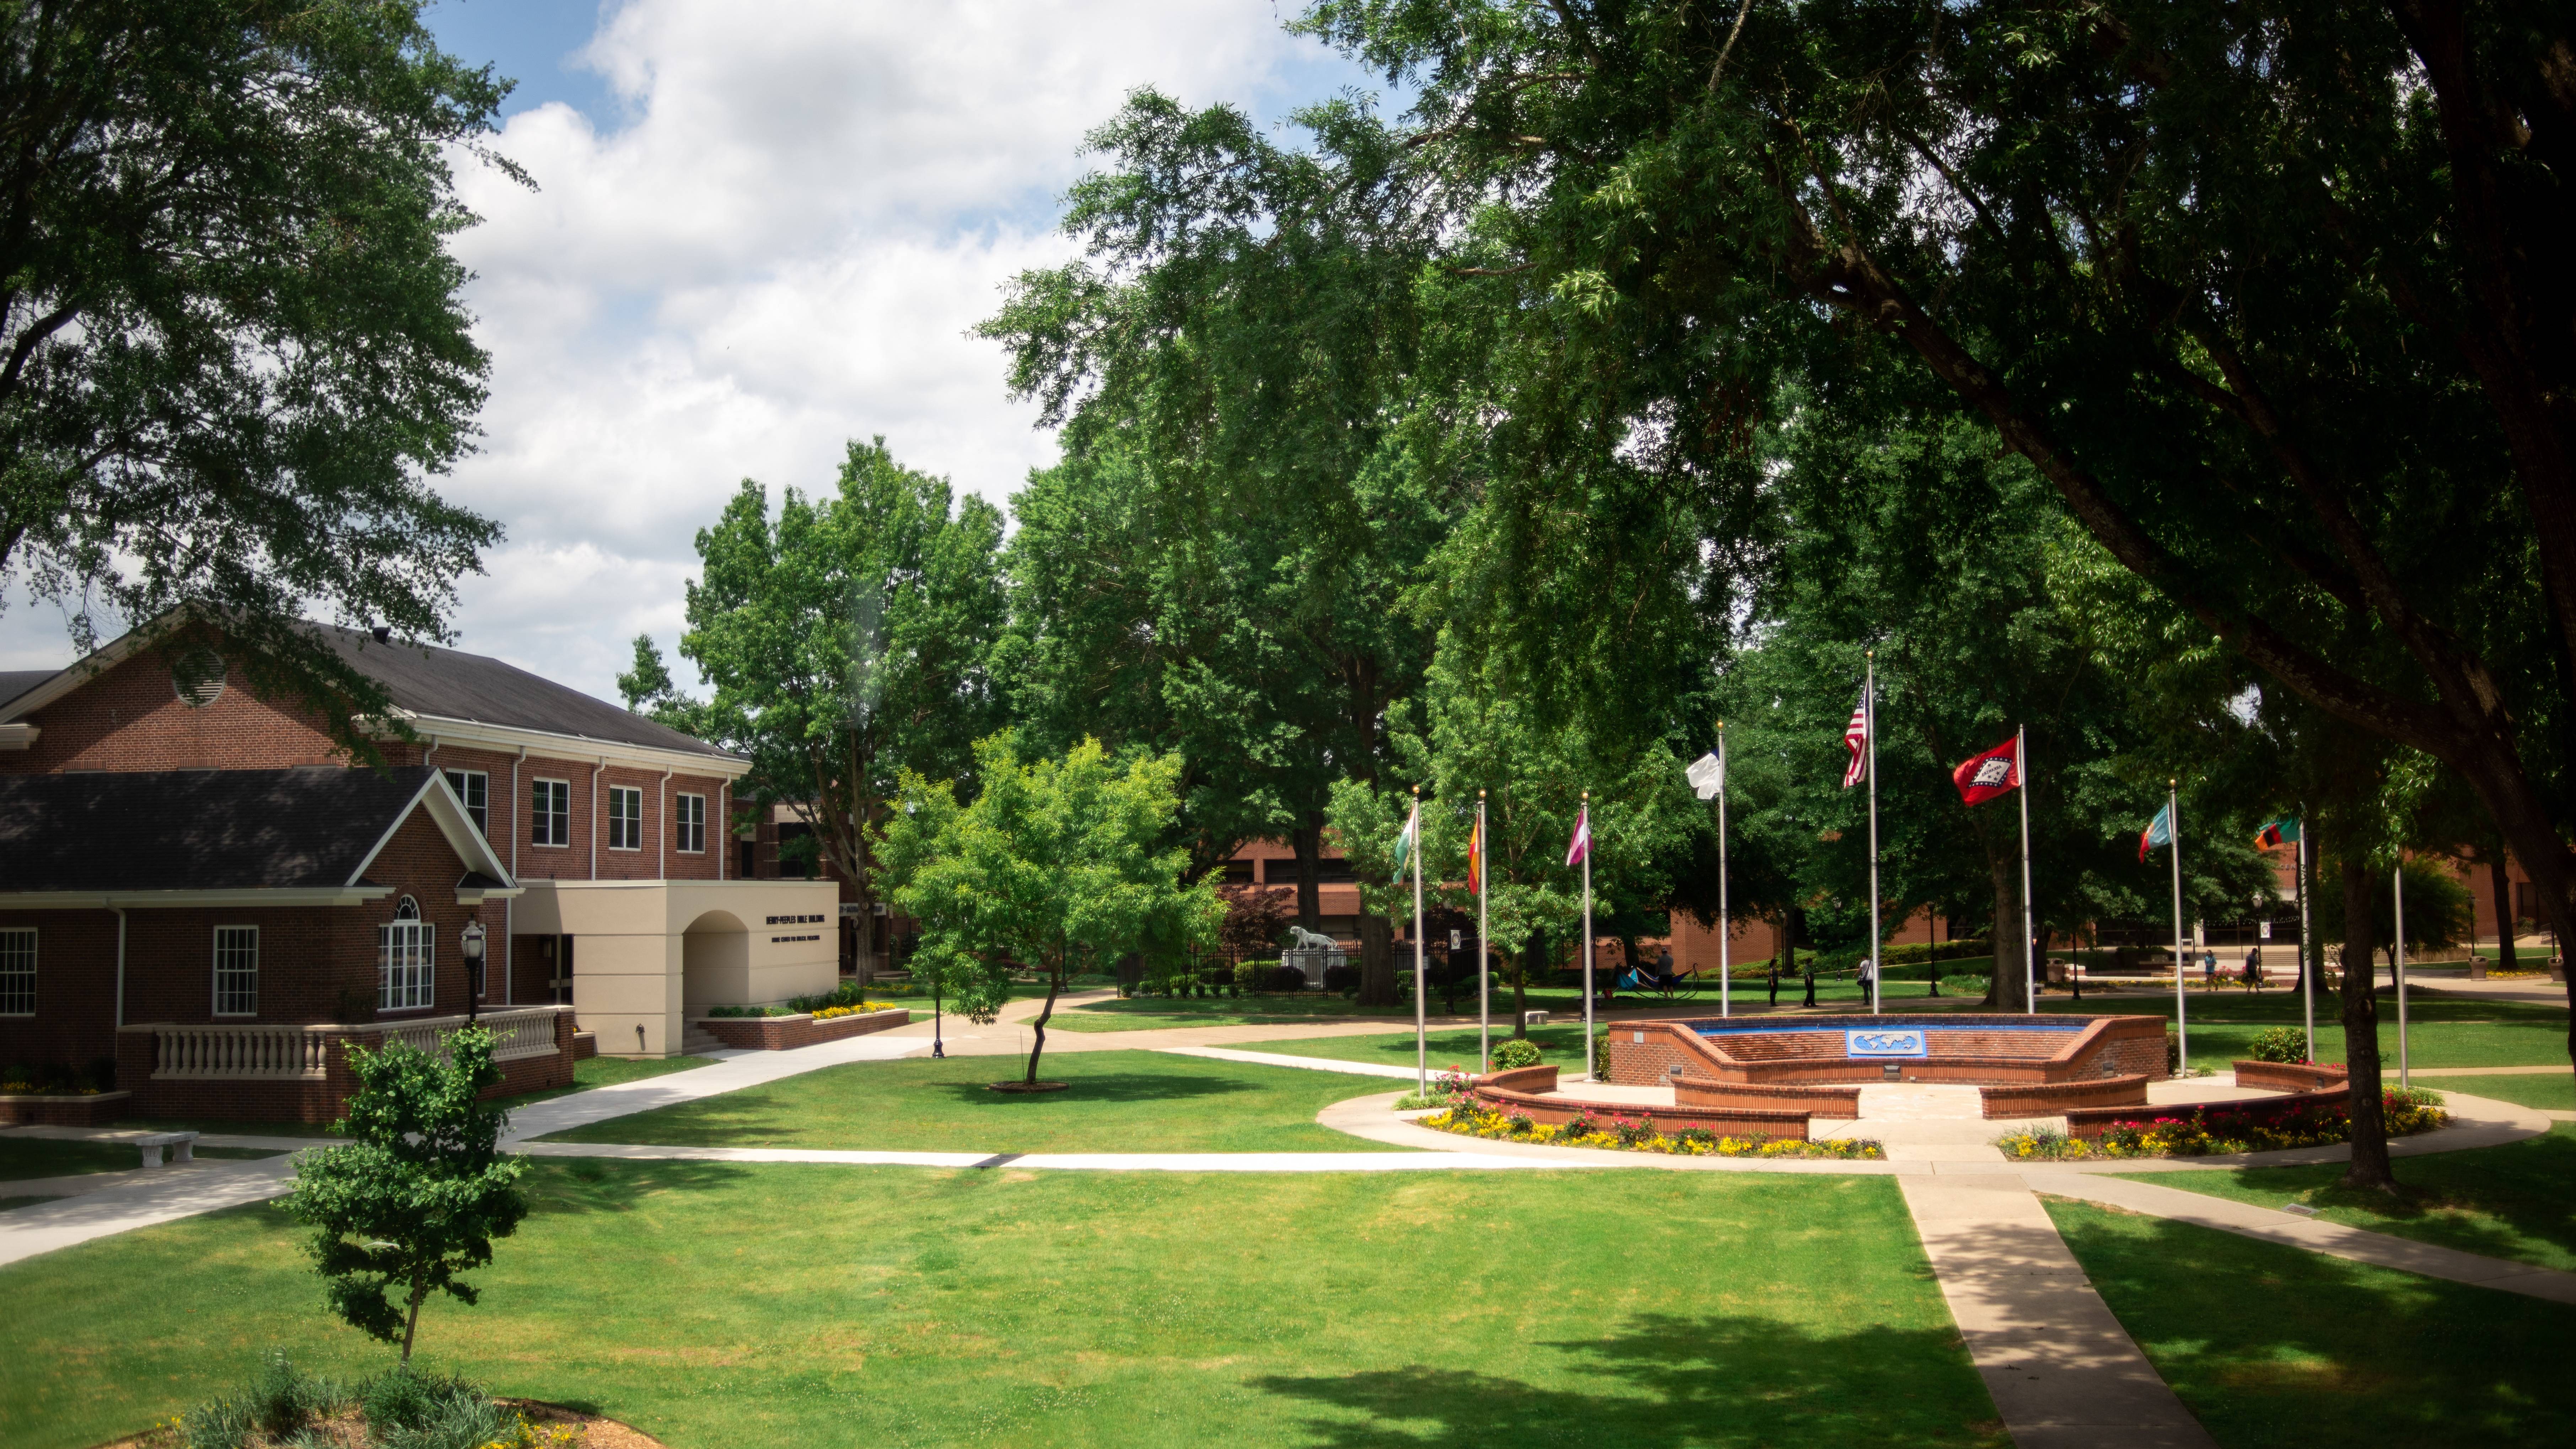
(232, 352)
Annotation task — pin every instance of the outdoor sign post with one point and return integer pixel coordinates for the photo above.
(1877, 943)
(2173, 825)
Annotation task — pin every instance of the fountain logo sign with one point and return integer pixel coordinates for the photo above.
(1884, 1044)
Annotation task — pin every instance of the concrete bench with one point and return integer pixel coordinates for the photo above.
(1533, 1018)
(150, 1146)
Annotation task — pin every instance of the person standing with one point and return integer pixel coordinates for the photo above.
(2208, 970)
(2254, 969)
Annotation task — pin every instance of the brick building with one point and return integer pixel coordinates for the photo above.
(197, 885)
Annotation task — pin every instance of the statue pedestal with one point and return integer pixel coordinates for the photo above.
(1313, 963)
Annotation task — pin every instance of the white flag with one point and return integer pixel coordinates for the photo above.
(1707, 775)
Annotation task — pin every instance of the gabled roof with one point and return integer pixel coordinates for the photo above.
(428, 684)
(448, 684)
(312, 828)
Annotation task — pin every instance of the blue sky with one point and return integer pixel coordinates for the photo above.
(760, 231)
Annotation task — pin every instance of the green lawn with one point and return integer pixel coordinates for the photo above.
(1119, 1102)
(723, 1305)
(22, 1158)
(2270, 1345)
(2517, 1201)
(2555, 1091)
(609, 1071)
(2440, 1033)
(1450, 1047)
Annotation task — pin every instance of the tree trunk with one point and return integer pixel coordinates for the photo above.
(2502, 875)
(2361, 1033)
(1308, 841)
(1377, 961)
(1037, 1028)
(2004, 989)
(411, 1320)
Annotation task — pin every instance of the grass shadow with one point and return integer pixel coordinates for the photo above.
(1664, 1379)
(1092, 1087)
(2269, 1344)
(558, 1187)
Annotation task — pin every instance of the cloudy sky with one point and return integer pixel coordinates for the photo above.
(761, 229)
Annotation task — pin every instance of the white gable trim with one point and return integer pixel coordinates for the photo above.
(448, 813)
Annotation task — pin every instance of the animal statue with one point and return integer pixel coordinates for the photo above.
(1302, 939)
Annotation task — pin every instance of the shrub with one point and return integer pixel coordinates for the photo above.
(1344, 978)
(284, 1398)
(2281, 1044)
(225, 1423)
(1516, 1053)
(1966, 985)
(404, 1397)
(1250, 974)
(1288, 978)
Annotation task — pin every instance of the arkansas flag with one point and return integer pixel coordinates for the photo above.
(1985, 776)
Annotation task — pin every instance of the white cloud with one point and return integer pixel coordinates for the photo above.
(778, 246)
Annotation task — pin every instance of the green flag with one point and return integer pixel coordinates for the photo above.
(1406, 842)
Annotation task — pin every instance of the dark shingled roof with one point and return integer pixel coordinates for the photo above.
(196, 829)
(451, 685)
(15, 682)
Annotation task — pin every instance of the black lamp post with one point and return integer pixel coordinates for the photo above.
(470, 941)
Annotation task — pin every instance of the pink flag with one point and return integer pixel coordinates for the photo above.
(1581, 848)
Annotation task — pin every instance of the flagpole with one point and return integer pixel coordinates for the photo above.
(2397, 880)
(1421, 998)
(1869, 724)
(1725, 924)
(1586, 828)
(1484, 973)
(2307, 972)
(2029, 938)
(2173, 842)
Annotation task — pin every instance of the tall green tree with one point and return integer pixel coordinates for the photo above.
(1231, 360)
(2263, 292)
(846, 641)
(1057, 863)
(232, 351)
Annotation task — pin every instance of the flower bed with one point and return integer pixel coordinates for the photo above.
(1635, 1134)
(784, 1033)
(2206, 1132)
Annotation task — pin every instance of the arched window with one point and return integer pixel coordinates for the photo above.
(405, 959)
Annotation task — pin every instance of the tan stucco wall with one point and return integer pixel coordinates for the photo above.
(630, 949)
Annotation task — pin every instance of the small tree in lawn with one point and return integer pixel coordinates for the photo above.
(1057, 861)
(421, 1192)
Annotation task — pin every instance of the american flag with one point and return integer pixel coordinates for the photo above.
(1856, 740)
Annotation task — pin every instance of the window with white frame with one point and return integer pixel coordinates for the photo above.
(405, 955)
(18, 971)
(474, 787)
(236, 970)
(550, 813)
(626, 817)
(689, 825)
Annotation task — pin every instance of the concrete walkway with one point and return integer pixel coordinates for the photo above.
(2335, 1240)
(1281, 1059)
(2059, 1365)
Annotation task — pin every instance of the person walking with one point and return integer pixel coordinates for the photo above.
(2254, 969)
(2208, 970)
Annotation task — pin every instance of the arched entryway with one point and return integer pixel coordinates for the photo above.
(715, 961)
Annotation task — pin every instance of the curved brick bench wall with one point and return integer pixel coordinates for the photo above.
(2289, 1076)
(2094, 1121)
(783, 1033)
(1519, 1089)
(1815, 1101)
(2053, 1099)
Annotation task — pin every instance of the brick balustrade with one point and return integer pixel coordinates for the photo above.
(301, 1072)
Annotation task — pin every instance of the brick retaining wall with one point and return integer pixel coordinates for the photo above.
(2289, 1076)
(1814, 1100)
(2051, 1099)
(784, 1033)
(2094, 1121)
